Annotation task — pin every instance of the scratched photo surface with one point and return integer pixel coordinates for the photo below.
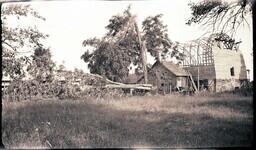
(127, 74)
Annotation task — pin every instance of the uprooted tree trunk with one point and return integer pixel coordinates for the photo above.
(143, 54)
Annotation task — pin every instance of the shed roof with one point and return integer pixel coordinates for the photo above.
(175, 69)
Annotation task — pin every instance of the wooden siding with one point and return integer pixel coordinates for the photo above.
(164, 80)
(224, 60)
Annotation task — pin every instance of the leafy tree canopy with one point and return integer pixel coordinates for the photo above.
(113, 54)
(156, 37)
(119, 48)
(42, 66)
(14, 39)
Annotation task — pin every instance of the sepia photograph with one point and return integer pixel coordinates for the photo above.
(140, 74)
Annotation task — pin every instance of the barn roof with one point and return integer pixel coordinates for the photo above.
(175, 69)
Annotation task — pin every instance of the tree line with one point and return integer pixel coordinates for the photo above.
(119, 48)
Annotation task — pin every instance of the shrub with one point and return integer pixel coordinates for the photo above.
(19, 89)
(32, 89)
(24, 90)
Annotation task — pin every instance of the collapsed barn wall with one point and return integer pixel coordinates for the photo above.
(205, 72)
(206, 75)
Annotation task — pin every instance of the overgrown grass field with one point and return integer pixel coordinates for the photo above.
(149, 121)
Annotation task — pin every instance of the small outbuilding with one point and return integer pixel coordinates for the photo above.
(167, 77)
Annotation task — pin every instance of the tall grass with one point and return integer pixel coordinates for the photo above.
(149, 121)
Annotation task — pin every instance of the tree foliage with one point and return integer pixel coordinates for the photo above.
(227, 41)
(223, 17)
(116, 51)
(42, 66)
(156, 37)
(14, 39)
(120, 47)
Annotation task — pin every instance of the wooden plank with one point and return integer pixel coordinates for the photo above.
(192, 81)
(119, 83)
(112, 84)
(128, 87)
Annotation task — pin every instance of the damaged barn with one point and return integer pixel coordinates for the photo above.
(167, 77)
(215, 65)
(211, 64)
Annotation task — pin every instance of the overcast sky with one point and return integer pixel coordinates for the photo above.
(68, 23)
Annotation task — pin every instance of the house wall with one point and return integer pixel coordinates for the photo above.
(160, 77)
(224, 59)
(182, 82)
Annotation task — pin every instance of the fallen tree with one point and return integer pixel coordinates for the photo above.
(118, 85)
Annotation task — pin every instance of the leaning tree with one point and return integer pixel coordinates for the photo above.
(117, 50)
(124, 45)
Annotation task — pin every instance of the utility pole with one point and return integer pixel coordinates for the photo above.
(143, 54)
(198, 83)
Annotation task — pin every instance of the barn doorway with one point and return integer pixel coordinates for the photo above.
(165, 88)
